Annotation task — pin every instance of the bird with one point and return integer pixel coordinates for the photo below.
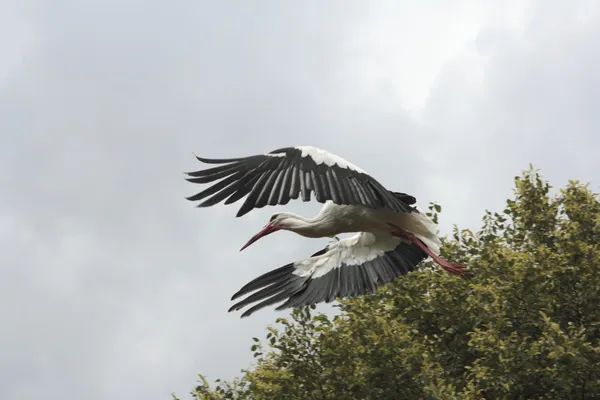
(391, 236)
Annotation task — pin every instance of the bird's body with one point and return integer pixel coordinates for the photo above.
(336, 219)
(393, 237)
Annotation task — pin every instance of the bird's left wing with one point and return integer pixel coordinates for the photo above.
(288, 173)
(347, 268)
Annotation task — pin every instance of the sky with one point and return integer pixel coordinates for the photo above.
(116, 287)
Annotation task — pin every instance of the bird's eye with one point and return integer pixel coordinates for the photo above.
(273, 217)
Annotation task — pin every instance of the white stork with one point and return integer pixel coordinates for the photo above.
(393, 237)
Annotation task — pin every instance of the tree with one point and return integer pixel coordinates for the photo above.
(523, 322)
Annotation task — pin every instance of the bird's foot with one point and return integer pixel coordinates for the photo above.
(451, 267)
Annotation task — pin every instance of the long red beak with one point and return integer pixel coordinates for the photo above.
(266, 230)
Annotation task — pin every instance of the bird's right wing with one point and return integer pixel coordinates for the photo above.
(276, 177)
(347, 268)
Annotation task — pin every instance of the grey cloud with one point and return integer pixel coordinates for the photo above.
(535, 103)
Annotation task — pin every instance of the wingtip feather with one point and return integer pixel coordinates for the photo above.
(217, 160)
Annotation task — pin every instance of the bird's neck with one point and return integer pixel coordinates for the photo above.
(310, 227)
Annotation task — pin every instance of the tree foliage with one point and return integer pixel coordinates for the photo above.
(522, 323)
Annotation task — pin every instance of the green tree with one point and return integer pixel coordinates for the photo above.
(522, 323)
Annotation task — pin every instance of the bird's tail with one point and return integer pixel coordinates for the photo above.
(425, 229)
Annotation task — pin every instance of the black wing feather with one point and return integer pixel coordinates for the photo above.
(283, 174)
(343, 281)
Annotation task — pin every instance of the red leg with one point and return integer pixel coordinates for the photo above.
(447, 265)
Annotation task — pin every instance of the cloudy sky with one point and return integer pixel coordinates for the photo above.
(115, 287)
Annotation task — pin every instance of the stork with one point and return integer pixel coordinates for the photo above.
(393, 236)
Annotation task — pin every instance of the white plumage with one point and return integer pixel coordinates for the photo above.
(355, 250)
(324, 157)
(393, 237)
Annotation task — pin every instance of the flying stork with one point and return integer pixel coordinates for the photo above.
(393, 236)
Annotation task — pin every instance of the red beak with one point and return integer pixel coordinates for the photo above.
(266, 230)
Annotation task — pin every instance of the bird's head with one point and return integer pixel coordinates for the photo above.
(276, 222)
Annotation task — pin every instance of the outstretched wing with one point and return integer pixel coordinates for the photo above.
(276, 177)
(347, 268)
